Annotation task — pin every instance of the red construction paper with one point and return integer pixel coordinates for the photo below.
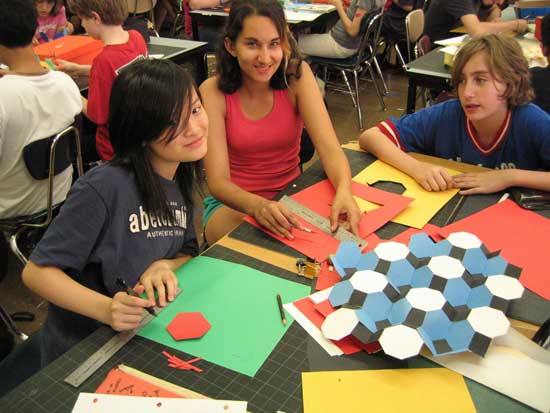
(324, 307)
(349, 345)
(185, 326)
(317, 244)
(522, 236)
(432, 230)
(124, 384)
(319, 198)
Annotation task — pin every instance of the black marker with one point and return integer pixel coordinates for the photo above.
(122, 284)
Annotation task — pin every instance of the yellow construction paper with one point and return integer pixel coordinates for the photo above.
(386, 391)
(425, 204)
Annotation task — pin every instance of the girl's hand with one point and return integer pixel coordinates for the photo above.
(276, 218)
(343, 205)
(432, 178)
(35, 41)
(126, 311)
(482, 182)
(159, 276)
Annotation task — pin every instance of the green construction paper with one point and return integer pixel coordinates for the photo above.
(239, 302)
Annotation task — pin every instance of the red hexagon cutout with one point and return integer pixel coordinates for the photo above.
(185, 326)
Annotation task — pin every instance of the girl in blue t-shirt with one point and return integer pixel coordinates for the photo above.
(130, 218)
(492, 124)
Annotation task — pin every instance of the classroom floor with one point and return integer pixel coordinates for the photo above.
(14, 296)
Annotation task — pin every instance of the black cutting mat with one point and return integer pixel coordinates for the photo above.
(277, 385)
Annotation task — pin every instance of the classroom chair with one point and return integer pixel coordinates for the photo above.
(364, 59)
(44, 159)
(144, 8)
(414, 27)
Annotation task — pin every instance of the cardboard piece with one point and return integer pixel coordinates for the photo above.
(425, 204)
(513, 365)
(76, 49)
(402, 390)
(523, 240)
(232, 297)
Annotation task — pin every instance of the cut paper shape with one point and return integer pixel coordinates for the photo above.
(185, 326)
(386, 391)
(317, 244)
(180, 364)
(522, 237)
(432, 231)
(381, 206)
(513, 365)
(449, 295)
(124, 384)
(425, 204)
(232, 297)
(108, 403)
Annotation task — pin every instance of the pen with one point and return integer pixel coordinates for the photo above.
(281, 309)
(122, 284)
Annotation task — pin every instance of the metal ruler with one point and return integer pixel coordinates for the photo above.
(321, 222)
(107, 350)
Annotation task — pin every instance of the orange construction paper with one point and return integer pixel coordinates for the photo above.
(522, 237)
(124, 384)
(319, 198)
(76, 49)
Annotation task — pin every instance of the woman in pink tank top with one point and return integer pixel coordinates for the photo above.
(257, 106)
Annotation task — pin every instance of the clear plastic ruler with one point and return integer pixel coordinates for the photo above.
(321, 222)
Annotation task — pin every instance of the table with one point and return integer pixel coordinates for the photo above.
(177, 50)
(277, 386)
(297, 20)
(427, 71)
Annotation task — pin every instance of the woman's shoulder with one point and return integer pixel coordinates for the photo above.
(211, 94)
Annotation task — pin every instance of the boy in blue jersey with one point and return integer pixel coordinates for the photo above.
(492, 124)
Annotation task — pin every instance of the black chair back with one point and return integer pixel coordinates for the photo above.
(371, 26)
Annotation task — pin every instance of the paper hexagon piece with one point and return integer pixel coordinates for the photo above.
(401, 342)
(186, 326)
(451, 296)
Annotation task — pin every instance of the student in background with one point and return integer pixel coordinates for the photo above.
(540, 76)
(444, 15)
(103, 20)
(52, 20)
(131, 217)
(257, 106)
(35, 103)
(343, 39)
(492, 124)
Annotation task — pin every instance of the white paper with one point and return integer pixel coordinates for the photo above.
(109, 403)
(452, 40)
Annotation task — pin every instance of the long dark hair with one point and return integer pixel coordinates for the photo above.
(147, 100)
(229, 71)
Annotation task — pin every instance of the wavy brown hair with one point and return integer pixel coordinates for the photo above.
(505, 61)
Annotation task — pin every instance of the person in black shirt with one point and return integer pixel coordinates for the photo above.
(540, 76)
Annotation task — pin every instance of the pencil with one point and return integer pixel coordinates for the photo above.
(281, 309)
(122, 284)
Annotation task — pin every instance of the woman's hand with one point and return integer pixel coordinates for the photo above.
(126, 311)
(482, 182)
(432, 177)
(343, 205)
(275, 217)
(159, 276)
